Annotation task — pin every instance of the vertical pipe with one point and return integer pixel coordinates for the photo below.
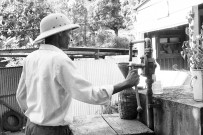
(130, 52)
(149, 72)
(139, 108)
(150, 118)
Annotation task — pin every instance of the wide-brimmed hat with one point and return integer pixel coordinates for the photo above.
(54, 23)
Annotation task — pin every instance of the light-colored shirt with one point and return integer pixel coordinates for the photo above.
(49, 81)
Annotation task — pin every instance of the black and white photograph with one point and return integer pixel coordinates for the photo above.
(101, 67)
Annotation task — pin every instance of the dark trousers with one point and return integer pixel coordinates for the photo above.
(34, 129)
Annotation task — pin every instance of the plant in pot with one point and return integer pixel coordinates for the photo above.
(193, 52)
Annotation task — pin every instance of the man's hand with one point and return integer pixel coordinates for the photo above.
(131, 80)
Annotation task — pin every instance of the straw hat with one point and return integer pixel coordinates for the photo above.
(54, 23)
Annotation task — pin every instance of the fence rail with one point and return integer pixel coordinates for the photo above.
(73, 52)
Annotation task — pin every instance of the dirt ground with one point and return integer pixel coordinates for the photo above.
(12, 133)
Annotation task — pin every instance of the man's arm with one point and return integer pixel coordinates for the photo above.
(131, 80)
(83, 90)
(21, 93)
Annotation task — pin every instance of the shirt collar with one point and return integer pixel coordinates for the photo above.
(49, 47)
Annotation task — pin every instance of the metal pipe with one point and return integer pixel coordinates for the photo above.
(150, 116)
(139, 108)
(134, 65)
(130, 52)
(137, 41)
(148, 65)
(150, 71)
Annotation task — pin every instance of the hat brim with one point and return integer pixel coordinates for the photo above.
(54, 31)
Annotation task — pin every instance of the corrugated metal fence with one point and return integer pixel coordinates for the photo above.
(9, 78)
(99, 72)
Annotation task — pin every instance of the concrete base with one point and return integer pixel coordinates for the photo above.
(178, 113)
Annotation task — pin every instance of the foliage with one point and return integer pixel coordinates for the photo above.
(107, 39)
(127, 10)
(106, 13)
(78, 13)
(21, 19)
(120, 42)
(193, 49)
(14, 42)
(103, 37)
(14, 61)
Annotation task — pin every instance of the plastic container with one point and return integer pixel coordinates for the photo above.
(157, 87)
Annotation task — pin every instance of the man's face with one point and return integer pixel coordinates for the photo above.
(64, 39)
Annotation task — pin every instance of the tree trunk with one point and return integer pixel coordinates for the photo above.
(116, 32)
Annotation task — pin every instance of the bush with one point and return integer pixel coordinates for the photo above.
(103, 37)
(120, 42)
(109, 39)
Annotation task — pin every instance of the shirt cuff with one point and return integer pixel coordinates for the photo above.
(109, 89)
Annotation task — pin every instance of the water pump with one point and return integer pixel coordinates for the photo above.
(147, 66)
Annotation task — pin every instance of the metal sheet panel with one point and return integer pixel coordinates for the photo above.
(162, 14)
(9, 78)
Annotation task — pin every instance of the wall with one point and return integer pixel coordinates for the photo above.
(177, 113)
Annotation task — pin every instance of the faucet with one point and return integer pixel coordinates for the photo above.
(147, 66)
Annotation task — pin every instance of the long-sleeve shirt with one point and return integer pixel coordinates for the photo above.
(49, 81)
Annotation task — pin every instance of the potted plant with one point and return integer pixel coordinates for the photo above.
(193, 52)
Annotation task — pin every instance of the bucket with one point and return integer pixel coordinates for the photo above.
(123, 66)
(127, 104)
(197, 84)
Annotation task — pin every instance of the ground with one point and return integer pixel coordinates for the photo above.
(12, 133)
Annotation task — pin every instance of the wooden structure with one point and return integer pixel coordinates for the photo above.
(164, 21)
(168, 45)
(108, 124)
(72, 52)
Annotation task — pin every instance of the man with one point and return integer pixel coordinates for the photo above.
(49, 80)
